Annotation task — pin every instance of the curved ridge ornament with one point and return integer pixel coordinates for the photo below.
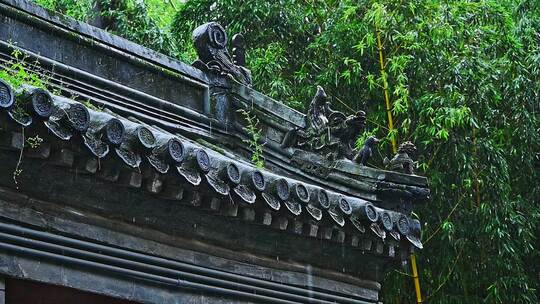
(210, 41)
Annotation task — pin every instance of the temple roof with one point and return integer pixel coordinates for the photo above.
(185, 141)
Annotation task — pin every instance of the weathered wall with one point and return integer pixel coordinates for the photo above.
(28, 262)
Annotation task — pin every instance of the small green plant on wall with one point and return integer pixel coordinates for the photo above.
(255, 135)
(34, 142)
(17, 73)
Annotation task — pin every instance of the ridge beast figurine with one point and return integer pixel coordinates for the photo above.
(327, 132)
(402, 161)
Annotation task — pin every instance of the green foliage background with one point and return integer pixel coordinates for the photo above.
(464, 79)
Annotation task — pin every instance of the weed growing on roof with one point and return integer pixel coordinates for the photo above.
(87, 103)
(253, 130)
(17, 73)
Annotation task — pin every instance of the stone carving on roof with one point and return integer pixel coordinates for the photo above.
(210, 41)
(402, 161)
(327, 132)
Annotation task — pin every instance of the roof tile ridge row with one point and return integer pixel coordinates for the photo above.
(133, 142)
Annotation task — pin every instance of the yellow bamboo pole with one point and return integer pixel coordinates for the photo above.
(416, 279)
(386, 95)
(394, 149)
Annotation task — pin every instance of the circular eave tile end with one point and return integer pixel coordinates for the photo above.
(233, 173)
(258, 180)
(282, 189)
(323, 198)
(371, 213)
(203, 160)
(114, 132)
(6, 95)
(403, 225)
(302, 193)
(414, 233)
(41, 103)
(345, 206)
(146, 137)
(175, 149)
(387, 221)
(79, 117)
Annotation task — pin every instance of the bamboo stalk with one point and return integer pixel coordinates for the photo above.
(416, 280)
(386, 95)
(394, 149)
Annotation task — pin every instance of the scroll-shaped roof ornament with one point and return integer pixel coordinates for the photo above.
(327, 132)
(210, 40)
